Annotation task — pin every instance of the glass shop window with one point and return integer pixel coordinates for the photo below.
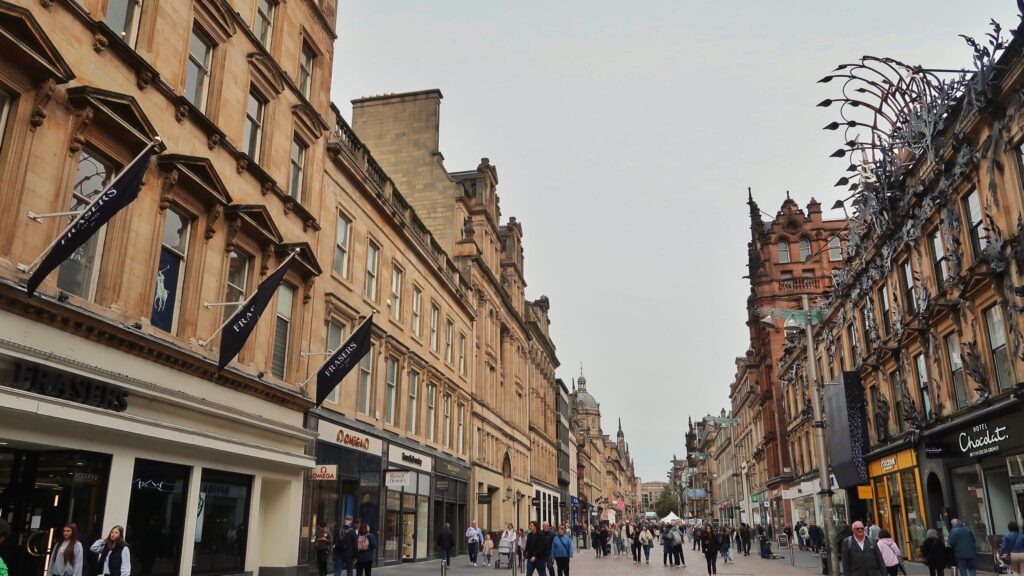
(156, 516)
(222, 524)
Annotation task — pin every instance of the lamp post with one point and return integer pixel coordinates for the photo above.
(794, 319)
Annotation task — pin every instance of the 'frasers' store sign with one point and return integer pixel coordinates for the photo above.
(982, 439)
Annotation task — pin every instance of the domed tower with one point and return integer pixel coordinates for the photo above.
(588, 411)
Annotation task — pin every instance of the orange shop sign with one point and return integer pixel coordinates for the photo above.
(324, 472)
(349, 438)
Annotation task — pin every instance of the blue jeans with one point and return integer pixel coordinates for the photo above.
(473, 547)
(340, 565)
(966, 566)
(540, 566)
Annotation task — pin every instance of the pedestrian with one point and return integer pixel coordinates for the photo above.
(616, 536)
(934, 552)
(1011, 551)
(474, 536)
(366, 545)
(647, 541)
(322, 543)
(595, 541)
(666, 542)
(709, 544)
(5, 533)
(521, 549)
(745, 536)
(677, 544)
(69, 556)
(509, 535)
(873, 531)
(861, 556)
(561, 550)
(486, 548)
(961, 540)
(114, 557)
(549, 537)
(344, 547)
(805, 536)
(817, 536)
(724, 540)
(636, 546)
(891, 554)
(446, 543)
(537, 550)
(696, 539)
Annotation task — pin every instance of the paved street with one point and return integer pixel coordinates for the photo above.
(804, 564)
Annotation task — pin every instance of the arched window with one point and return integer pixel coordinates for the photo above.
(835, 249)
(783, 248)
(506, 466)
(805, 249)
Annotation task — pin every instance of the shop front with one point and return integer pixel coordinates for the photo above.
(759, 510)
(896, 499)
(408, 480)
(451, 491)
(803, 501)
(346, 480)
(544, 506)
(975, 472)
(187, 466)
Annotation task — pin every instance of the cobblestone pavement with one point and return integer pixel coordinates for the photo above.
(584, 564)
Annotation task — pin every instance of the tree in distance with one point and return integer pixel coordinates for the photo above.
(666, 503)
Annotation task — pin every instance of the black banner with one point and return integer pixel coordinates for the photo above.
(120, 194)
(343, 360)
(847, 429)
(241, 324)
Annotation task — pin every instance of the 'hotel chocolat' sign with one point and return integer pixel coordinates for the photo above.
(982, 439)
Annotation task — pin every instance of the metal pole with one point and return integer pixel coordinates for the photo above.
(819, 442)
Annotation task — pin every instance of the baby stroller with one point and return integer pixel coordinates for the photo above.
(505, 554)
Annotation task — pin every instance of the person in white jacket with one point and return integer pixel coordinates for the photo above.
(115, 559)
(891, 554)
(68, 556)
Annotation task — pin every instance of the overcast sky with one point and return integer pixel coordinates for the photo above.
(625, 136)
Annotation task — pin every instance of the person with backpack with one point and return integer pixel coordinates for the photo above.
(446, 543)
(561, 551)
(860, 554)
(366, 546)
(322, 543)
(961, 540)
(344, 547)
(891, 554)
(1011, 551)
(677, 544)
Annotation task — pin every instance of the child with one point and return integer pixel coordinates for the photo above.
(488, 546)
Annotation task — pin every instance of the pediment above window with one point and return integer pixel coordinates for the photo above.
(308, 123)
(216, 18)
(254, 220)
(337, 307)
(27, 48)
(306, 257)
(197, 175)
(266, 74)
(117, 115)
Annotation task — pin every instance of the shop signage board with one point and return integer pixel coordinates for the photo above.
(893, 462)
(483, 498)
(349, 438)
(324, 472)
(865, 492)
(40, 379)
(982, 439)
(398, 479)
(441, 485)
(452, 469)
(410, 459)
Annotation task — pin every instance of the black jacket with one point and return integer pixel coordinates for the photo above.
(866, 562)
(345, 543)
(710, 543)
(538, 545)
(115, 555)
(934, 552)
(446, 540)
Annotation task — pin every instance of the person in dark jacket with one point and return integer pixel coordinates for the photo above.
(114, 557)
(365, 557)
(934, 552)
(709, 544)
(745, 537)
(861, 556)
(538, 548)
(446, 543)
(322, 543)
(344, 547)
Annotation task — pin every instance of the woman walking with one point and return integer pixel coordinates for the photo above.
(667, 544)
(323, 546)
(1012, 547)
(366, 547)
(536, 550)
(725, 540)
(646, 541)
(891, 554)
(114, 560)
(934, 552)
(67, 558)
(710, 543)
(561, 550)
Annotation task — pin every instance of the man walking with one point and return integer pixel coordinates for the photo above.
(745, 538)
(344, 548)
(474, 537)
(961, 540)
(861, 556)
(446, 543)
(696, 539)
(549, 536)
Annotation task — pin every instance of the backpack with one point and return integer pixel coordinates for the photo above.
(677, 537)
(362, 543)
(344, 542)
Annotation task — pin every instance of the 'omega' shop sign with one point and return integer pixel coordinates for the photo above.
(324, 472)
(55, 383)
(349, 438)
(982, 439)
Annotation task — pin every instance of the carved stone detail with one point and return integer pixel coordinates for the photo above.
(167, 184)
(307, 294)
(46, 4)
(180, 113)
(234, 227)
(265, 264)
(267, 187)
(82, 121)
(241, 165)
(99, 42)
(288, 206)
(213, 141)
(143, 78)
(211, 220)
(44, 93)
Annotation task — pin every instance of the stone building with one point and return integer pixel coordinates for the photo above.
(107, 382)
(789, 256)
(748, 440)
(919, 343)
(650, 493)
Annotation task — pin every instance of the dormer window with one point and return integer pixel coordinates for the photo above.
(783, 249)
(805, 250)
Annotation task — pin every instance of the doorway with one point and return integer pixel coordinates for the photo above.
(41, 490)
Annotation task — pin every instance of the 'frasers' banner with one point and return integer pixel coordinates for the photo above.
(846, 414)
(241, 324)
(343, 360)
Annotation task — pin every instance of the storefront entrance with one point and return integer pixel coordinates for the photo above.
(897, 504)
(41, 490)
